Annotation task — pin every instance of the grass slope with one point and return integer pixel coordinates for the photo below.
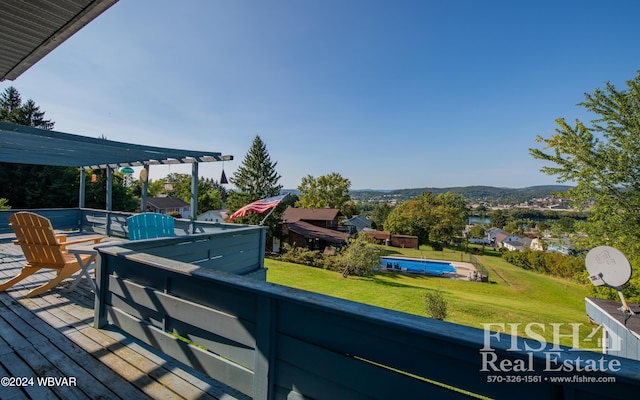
(513, 296)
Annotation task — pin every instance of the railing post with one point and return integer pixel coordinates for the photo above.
(265, 349)
(100, 313)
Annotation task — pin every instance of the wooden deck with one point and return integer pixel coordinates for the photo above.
(52, 336)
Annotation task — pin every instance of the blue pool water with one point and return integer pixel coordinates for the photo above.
(415, 265)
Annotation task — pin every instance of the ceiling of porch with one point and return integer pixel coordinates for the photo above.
(31, 29)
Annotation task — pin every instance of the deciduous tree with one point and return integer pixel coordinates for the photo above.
(360, 257)
(330, 190)
(477, 231)
(498, 219)
(603, 160)
(380, 214)
(432, 218)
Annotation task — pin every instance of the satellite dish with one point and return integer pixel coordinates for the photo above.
(607, 266)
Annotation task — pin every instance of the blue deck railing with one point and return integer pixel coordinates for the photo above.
(275, 342)
(111, 223)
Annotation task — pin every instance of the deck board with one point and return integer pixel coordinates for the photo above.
(53, 335)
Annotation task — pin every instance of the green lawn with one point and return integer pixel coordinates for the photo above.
(513, 295)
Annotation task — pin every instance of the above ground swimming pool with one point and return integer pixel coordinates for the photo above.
(417, 265)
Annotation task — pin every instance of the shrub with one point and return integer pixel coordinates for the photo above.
(556, 264)
(360, 258)
(436, 304)
(300, 255)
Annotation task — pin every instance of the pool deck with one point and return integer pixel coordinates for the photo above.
(464, 270)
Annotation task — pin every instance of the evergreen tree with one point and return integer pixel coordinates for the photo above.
(255, 179)
(10, 103)
(13, 110)
(29, 114)
(33, 186)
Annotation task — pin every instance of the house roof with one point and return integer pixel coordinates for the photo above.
(502, 236)
(358, 221)
(315, 232)
(526, 241)
(26, 145)
(612, 309)
(222, 214)
(31, 29)
(292, 214)
(163, 203)
(380, 235)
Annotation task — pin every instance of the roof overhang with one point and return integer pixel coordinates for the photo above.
(26, 145)
(31, 29)
(310, 231)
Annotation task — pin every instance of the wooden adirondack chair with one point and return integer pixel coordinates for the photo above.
(42, 248)
(150, 226)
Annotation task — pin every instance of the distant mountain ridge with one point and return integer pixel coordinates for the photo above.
(472, 193)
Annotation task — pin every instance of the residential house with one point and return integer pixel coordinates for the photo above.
(559, 245)
(492, 233)
(504, 237)
(313, 228)
(218, 216)
(357, 223)
(514, 245)
(526, 241)
(518, 245)
(322, 217)
(537, 244)
(169, 205)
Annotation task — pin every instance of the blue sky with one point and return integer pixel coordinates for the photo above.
(390, 94)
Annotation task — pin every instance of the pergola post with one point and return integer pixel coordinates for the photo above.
(109, 200)
(194, 196)
(144, 177)
(81, 194)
